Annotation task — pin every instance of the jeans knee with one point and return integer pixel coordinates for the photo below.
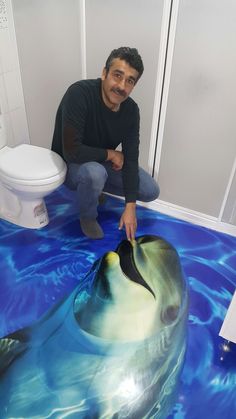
(148, 189)
(93, 174)
(151, 194)
(155, 192)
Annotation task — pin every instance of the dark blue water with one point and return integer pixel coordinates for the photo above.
(39, 267)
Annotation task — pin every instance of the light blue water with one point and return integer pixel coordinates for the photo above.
(39, 267)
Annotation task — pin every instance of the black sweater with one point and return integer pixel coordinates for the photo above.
(84, 122)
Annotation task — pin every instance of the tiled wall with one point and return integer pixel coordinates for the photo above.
(12, 107)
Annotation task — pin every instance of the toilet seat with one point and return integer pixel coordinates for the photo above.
(31, 165)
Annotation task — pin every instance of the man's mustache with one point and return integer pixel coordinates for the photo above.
(119, 92)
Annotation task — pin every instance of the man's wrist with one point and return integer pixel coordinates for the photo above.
(131, 205)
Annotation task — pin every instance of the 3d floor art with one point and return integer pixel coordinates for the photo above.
(114, 348)
(111, 343)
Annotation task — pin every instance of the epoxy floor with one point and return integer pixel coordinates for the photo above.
(38, 268)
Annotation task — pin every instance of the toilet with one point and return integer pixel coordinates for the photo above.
(27, 174)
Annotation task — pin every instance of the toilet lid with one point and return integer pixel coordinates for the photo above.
(29, 163)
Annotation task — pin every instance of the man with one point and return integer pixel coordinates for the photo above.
(93, 119)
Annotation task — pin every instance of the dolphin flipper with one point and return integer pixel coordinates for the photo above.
(16, 343)
(10, 349)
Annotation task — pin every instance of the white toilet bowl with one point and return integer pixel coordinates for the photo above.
(27, 174)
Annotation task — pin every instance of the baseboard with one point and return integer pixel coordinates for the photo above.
(185, 214)
(193, 217)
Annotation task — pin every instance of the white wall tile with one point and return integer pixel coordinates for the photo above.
(19, 126)
(13, 89)
(4, 108)
(7, 51)
(1, 69)
(8, 130)
(11, 92)
(2, 130)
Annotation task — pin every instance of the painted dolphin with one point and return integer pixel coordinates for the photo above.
(113, 349)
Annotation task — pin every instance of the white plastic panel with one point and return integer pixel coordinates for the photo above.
(199, 145)
(228, 329)
(134, 23)
(229, 215)
(48, 40)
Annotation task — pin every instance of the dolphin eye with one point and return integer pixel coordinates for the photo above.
(170, 314)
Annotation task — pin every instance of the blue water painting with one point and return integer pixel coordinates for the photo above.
(41, 267)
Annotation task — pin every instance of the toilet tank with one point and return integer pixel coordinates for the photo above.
(3, 138)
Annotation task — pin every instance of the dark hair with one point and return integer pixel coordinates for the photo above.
(130, 55)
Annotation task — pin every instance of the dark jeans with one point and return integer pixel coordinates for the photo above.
(92, 178)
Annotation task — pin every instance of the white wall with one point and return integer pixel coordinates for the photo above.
(49, 44)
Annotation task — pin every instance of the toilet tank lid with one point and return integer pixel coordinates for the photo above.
(30, 162)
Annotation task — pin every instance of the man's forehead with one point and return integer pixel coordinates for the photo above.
(123, 67)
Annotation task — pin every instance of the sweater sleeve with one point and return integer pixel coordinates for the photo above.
(130, 148)
(74, 112)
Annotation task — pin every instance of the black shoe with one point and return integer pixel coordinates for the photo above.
(102, 199)
(91, 228)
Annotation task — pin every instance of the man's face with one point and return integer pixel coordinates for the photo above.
(118, 83)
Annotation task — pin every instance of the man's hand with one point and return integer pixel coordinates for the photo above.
(117, 159)
(128, 219)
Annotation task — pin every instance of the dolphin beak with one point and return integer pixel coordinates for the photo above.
(127, 264)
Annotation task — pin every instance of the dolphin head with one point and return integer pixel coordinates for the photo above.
(137, 290)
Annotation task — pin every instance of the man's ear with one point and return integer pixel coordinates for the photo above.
(104, 74)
